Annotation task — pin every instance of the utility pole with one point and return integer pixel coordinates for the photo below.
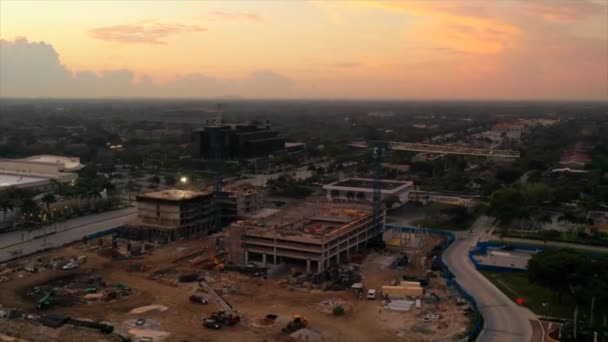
(217, 140)
(378, 156)
(575, 320)
(592, 309)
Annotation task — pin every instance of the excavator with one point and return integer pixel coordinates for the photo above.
(219, 266)
(298, 322)
(45, 302)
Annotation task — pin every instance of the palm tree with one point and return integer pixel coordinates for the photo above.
(131, 187)
(30, 212)
(48, 199)
(90, 194)
(59, 188)
(6, 203)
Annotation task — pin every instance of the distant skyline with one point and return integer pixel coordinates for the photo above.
(466, 49)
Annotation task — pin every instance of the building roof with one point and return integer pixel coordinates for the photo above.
(67, 162)
(308, 220)
(362, 184)
(174, 195)
(15, 180)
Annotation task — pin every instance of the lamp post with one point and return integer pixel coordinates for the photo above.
(183, 181)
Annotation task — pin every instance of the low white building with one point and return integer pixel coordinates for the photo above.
(362, 189)
(463, 200)
(38, 171)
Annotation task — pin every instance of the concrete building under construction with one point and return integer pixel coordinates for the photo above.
(312, 234)
(172, 214)
(362, 189)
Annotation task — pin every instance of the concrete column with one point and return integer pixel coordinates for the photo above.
(308, 266)
(338, 256)
(319, 266)
(246, 257)
(264, 259)
(274, 261)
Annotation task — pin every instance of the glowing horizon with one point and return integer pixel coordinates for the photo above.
(353, 49)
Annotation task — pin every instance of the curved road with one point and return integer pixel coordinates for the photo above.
(504, 321)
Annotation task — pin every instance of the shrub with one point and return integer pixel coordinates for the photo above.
(338, 310)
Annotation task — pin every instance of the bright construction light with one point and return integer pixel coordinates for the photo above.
(183, 179)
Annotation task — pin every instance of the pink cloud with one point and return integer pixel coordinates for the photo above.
(563, 11)
(154, 33)
(234, 16)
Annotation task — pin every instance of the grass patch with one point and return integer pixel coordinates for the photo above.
(516, 285)
(535, 235)
(551, 248)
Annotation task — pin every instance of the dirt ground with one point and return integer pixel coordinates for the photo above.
(254, 298)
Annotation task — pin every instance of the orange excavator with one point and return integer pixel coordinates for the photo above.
(219, 266)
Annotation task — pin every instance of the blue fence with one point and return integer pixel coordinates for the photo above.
(449, 276)
(101, 233)
(482, 249)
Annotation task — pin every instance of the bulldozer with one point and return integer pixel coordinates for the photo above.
(298, 322)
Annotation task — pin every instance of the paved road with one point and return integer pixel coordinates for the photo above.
(69, 231)
(505, 321)
(590, 248)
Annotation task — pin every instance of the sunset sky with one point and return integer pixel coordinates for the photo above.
(459, 49)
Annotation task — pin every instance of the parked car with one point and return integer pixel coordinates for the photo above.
(198, 299)
(140, 321)
(211, 323)
(371, 294)
(69, 266)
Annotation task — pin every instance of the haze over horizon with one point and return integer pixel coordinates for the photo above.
(532, 50)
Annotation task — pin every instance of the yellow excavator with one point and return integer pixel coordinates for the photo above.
(219, 266)
(296, 324)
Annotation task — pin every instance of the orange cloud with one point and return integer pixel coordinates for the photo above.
(143, 33)
(459, 28)
(563, 11)
(234, 16)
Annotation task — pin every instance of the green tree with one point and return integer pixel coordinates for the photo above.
(170, 180)
(390, 200)
(48, 199)
(90, 194)
(559, 270)
(6, 203)
(506, 205)
(29, 211)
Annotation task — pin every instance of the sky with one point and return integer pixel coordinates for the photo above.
(410, 49)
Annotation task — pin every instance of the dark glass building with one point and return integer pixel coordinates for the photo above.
(236, 141)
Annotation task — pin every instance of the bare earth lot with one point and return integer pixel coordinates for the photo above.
(153, 280)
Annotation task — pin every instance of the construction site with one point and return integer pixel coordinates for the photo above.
(214, 264)
(313, 271)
